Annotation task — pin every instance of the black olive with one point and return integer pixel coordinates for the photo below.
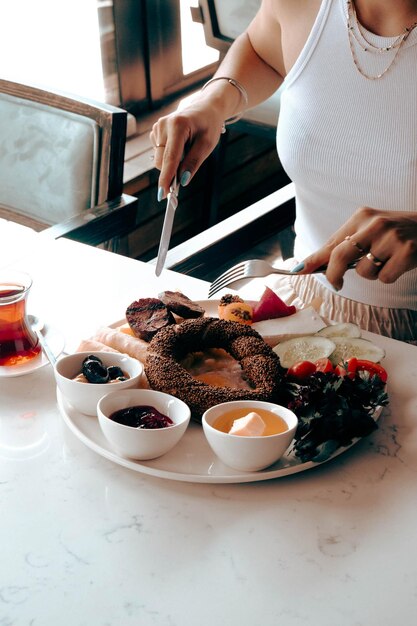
(115, 372)
(95, 372)
(92, 357)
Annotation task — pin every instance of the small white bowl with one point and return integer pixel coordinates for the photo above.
(84, 396)
(248, 454)
(143, 444)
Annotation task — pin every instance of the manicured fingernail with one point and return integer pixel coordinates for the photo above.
(160, 193)
(298, 267)
(185, 178)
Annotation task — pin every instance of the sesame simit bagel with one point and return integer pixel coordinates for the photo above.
(260, 365)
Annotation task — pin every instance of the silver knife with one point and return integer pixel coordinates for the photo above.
(172, 203)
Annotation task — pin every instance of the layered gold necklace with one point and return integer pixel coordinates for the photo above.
(359, 40)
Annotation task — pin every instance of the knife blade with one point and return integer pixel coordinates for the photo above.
(172, 203)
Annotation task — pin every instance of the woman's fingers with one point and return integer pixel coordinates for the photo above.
(390, 259)
(339, 256)
(196, 152)
(182, 141)
(347, 246)
(382, 243)
(169, 142)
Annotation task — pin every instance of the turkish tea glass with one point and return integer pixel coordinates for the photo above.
(18, 343)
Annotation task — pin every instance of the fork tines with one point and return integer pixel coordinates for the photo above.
(255, 268)
(231, 275)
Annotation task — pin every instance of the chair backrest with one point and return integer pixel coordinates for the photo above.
(59, 154)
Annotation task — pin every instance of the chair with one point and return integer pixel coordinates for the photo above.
(234, 238)
(61, 165)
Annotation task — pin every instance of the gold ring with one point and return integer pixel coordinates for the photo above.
(160, 145)
(373, 259)
(355, 244)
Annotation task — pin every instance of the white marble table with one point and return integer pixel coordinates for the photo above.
(16, 240)
(87, 542)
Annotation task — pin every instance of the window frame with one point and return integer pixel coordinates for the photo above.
(213, 35)
(149, 56)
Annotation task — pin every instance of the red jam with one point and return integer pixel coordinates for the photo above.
(141, 417)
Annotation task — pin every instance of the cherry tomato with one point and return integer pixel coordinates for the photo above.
(301, 370)
(323, 365)
(363, 365)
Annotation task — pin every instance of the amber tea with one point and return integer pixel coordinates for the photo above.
(18, 343)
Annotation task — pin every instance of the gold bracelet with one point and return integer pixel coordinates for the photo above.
(243, 96)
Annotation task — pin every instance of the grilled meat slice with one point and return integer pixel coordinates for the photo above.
(179, 304)
(148, 315)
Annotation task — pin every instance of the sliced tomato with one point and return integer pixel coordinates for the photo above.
(340, 369)
(347, 368)
(363, 365)
(353, 365)
(323, 365)
(301, 370)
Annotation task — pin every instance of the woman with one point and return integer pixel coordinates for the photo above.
(347, 137)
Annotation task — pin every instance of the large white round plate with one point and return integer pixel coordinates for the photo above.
(56, 342)
(210, 306)
(192, 459)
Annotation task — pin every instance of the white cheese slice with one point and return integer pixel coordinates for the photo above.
(252, 425)
(304, 322)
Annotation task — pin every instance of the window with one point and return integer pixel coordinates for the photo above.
(133, 53)
(195, 53)
(51, 43)
(161, 53)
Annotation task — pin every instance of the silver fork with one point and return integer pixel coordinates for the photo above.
(256, 268)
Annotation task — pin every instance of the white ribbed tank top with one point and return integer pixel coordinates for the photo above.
(347, 141)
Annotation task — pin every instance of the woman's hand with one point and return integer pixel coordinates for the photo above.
(384, 242)
(182, 141)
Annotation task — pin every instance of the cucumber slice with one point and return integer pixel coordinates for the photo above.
(346, 329)
(308, 348)
(347, 347)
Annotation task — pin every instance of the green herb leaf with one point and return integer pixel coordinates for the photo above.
(332, 411)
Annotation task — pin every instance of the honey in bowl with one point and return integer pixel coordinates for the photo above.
(18, 343)
(274, 424)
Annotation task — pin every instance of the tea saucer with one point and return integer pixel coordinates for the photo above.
(56, 342)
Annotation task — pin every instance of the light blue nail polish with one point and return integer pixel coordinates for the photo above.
(298, 267)
(185, 178)
(160, 193)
